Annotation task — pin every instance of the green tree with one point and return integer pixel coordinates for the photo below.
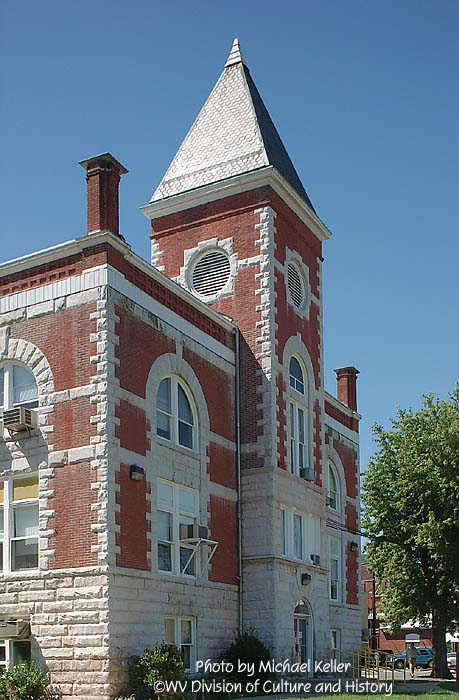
(411, 497)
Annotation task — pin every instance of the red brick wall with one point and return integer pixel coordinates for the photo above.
(348, 458)
(222, 465)
(132, 519)
(341, 417)
(132, 430)
(72, 522)
(223, 529)
(141, 341)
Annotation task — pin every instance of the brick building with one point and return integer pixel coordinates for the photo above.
(172, 467)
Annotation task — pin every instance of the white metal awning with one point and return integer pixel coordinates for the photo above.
(14, 628)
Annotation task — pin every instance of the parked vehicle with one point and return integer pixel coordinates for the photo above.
(451, 659)
(424, 659)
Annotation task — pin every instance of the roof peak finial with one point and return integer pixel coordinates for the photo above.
(235, 55)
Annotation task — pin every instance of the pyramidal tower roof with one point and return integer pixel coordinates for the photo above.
(233, 134)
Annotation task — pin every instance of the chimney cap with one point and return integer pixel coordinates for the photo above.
(346, 370)
(105, 158)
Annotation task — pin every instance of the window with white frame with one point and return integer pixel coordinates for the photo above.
(300, 536)
(175, 413)
(177, 505)
(335, 644)
(181, 631)
(333, 489)
(17, 387)
(13, 651)
(298, 418)
(335, 568)
(19, 524)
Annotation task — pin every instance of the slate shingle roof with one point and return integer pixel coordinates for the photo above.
(233, 134)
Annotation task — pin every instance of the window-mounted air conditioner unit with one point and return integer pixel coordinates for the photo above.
(20, 418)
(315, 558)
(12, 628)
(307, 473)
(193, 532)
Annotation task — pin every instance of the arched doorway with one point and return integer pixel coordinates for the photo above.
(304, 633)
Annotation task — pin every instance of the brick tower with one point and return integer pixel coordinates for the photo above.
(232, 223)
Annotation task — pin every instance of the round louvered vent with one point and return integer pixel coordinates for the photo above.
(295, 285)
(211, 273)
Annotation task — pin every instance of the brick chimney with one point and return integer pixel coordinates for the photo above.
(103, 175)
(346, 379)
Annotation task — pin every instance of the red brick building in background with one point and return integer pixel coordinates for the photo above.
(172, 466)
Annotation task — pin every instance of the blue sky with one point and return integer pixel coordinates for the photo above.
(365, 97)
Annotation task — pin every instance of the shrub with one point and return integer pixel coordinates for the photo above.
(26, 681)
(248, 648)
(163, 663)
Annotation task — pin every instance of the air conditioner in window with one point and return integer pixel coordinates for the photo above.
(315, 558)
(20, 418)
(307, 473)
(193, 532)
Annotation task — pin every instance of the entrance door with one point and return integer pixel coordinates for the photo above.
(302, 622)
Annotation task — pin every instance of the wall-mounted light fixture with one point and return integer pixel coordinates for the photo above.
(305, 579)
(354, 547)
(136, 473)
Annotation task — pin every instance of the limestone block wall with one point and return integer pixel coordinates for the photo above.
(69, 626)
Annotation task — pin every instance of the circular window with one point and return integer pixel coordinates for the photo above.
(295, 284)
(211, 273)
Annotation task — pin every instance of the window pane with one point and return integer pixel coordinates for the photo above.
(292, 420)
(21, 651)
(184, 408)
(164, 526)
(334, 547)
(185, 554)
(165, 495)
(163, 425)
(185, 435)
(296, 375)
(169, 631)
(186, 656)
(164, 557)
(187, 501)
(301, 425)
(186, 632)
(164, 396)
(25, 488)
(297, 537)
(26, 522)
(334, 569)
(24, 554)
(24, 385)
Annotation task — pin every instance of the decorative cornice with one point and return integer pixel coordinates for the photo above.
(263, 177)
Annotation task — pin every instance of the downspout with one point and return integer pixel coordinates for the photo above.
(238, 468)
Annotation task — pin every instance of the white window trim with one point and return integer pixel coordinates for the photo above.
(339, 580)
(287, 527)
(298, 400)
(8, 643)
(175, 543)
(331, 467)
(8, 386)
(178, 637)
(174, 439)
(7, 509)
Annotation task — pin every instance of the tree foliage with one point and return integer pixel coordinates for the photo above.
(411, 497)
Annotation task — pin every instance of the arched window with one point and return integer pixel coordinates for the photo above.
(17, 387)
(298, 418)
(333, 489)
(296, 376)
(175, 415)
